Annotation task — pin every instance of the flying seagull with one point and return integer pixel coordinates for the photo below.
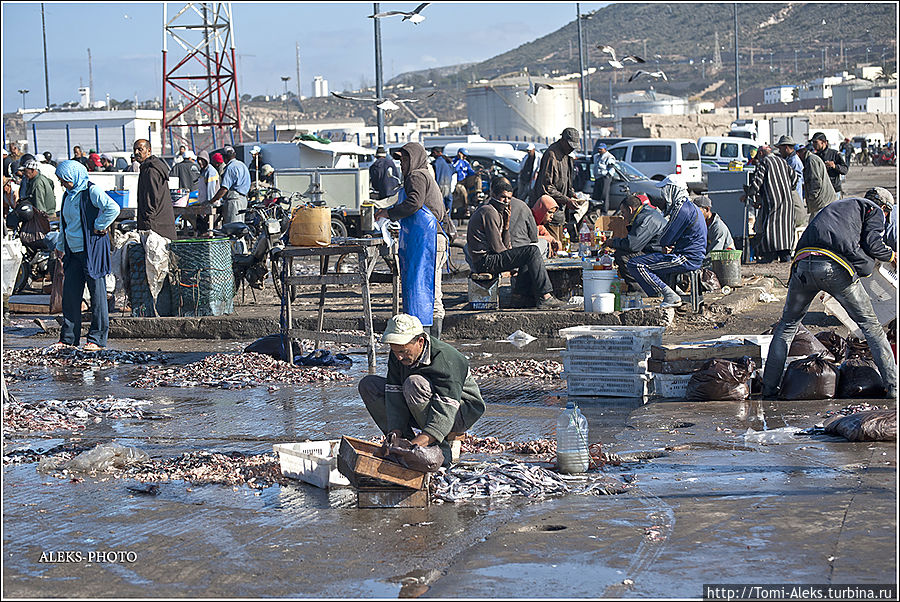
(414, 16)
(625, 59)
(653, 74)
(386, 104)
(534, 88)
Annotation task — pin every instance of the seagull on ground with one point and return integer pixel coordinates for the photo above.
(386, 104)
(653, 74)
(534, 88)
(625, 59)
(413, 16)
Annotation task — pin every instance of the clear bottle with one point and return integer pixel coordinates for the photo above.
(572, 440)
(567, 244)
(584, 240)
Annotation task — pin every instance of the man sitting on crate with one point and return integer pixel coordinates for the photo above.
(428, 387)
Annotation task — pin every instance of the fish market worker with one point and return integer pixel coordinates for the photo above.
(428, 387)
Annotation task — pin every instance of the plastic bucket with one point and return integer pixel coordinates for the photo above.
(604, 303)
(596, 282)
(119, 196)
(727, 267)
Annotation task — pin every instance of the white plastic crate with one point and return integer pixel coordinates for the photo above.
(609, 385)
(313, 462)
(611, 340)
(579, 362)
(671, 386)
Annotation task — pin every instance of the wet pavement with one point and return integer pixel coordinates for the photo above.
(705, 504)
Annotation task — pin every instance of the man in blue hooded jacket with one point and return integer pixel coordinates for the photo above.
(683, 241)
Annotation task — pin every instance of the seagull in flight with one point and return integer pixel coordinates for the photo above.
(653, 74)
(616, 62)
(386, 104)
(413, 16)
(534, 88)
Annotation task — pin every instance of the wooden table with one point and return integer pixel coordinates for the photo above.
(367, 254)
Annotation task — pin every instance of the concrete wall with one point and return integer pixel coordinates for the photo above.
(694, 126)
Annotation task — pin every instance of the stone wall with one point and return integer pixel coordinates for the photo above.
(694, 126)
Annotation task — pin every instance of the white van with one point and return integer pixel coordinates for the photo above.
(658, 157)
(718, 151)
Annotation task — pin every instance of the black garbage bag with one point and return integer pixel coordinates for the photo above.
(873, 425)
(813, 377)
(721, 380)
(835, 343)
(860, 378)
(858, 348)
(272, 345)
(805, 344)
(324, 357)
(709, 282)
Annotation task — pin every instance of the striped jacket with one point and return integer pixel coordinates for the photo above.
(771, 184)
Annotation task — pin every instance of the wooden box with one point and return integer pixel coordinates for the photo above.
(357, 462)
(391, 497)
(705, 350)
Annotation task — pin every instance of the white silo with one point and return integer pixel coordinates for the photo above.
(502, 109)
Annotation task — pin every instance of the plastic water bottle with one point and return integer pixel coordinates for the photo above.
(566, 241)
(571, 440)
(584, 240)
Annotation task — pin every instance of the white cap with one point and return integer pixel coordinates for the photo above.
(673, 179)
(530, 146)
(401, 329)
(189, 154)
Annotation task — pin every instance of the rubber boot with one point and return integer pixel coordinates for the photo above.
(436, 328)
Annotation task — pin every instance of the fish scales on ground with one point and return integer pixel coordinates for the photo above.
(71, 414)
(235, 371)
(544, 370)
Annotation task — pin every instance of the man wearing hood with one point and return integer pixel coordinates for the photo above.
(154, 202)
(683, 241)
(556, 173)
(492, 252)
(421, 190)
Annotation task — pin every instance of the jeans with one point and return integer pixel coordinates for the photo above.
(76, 277)
(532, 278)
(811, 275)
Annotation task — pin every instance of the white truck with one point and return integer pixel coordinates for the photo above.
(758, 130)
(795, 126)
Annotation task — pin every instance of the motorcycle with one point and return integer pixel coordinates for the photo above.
(22, 222)
(886, 157)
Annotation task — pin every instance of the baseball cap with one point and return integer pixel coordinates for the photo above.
(463, 150)
(188, 154)
(228, 150)
(267, 170)
(530, 146)
(673, 180)
(703, 201)
(570, 135)
(820, 136)
(33, 164)
(401, 329)
(601, 146)
(881, 196)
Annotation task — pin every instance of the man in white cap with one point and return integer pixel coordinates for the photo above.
(683, 241)
(603, 174)
(39, 191)
(234, 187)
(187, 172)
(428, 387)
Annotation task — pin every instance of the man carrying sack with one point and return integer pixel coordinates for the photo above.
(428, 387)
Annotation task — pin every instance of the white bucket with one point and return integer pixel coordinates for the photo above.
(596, 282)
(604, 303)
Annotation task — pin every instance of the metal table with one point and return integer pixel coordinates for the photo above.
(367, 254)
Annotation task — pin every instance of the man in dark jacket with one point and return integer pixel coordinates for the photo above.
(683, 241)
(154, 201)
(645, 225)
(383, 176)
(488, 239)
(834, 161)
(428, 387)
(556, 177)
(187, 172)
(840, 245)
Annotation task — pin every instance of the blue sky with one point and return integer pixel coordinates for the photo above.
(336, 41)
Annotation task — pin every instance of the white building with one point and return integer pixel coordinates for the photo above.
(778, 94)
(821, 87)
(884, 102)
(320, 86)
(104, 131)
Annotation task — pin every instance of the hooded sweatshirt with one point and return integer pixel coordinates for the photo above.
(154, 202)
(420, 187)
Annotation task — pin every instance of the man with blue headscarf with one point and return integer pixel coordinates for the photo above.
(683, 241)
(86, 215)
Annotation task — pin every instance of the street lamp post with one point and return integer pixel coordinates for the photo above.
(23, 93)
(586, 78)
(581, 66)
(737, 70)
(379, 91)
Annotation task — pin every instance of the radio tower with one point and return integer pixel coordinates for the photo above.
(205, 56)
(717, 55)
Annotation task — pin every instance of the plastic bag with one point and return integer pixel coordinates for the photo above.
(273, 345)
(805, 343)
(324, 357)
(858, 348)
(874, 425)
(105, 457)
(860, 378)
(721, 380)
(785, 434)
(834, 343)
(415, 457)
(709, 282)
(813, 377)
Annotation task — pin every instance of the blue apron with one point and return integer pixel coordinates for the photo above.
(418, 252)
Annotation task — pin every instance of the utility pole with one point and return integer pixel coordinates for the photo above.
(795, 61)
(90, 79)
(717, 54)
(298, 73)
(737, 69)
(379, 85)
(581, 67)
(46, 76)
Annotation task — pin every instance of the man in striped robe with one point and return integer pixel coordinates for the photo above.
(771, 187)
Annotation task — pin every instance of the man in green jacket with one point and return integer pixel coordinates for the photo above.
(40, 189)
(428, 387)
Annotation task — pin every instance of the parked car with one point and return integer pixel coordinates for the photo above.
(716, 152)
(659, 157)
(493, 158)
(608, 142)
(522, 145)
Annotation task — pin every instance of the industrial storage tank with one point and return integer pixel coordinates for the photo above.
(501, 108)
(636, 103)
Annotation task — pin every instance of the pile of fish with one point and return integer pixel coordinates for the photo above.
(336, 347)
(27, 454)
(545, 370)
(505, 478)
(56, 356)
(853, 409)
(71, 414)
(492, 445)
(235, 371)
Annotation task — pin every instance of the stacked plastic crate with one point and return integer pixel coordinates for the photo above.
(608, 361)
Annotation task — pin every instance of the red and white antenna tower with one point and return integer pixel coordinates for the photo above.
(202, 75)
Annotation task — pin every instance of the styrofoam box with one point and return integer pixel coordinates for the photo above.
(579, 362)
(313, 462)
(612, 339)
(609, 385)
(671, 386)
(763, 340)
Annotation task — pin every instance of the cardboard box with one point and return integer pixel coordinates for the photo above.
(616, 223)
